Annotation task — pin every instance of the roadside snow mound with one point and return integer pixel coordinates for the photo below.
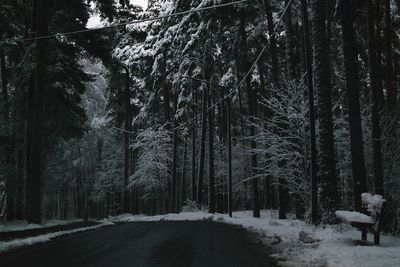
(334, 245)
(18, 243)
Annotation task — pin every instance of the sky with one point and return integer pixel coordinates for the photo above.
(95, 20)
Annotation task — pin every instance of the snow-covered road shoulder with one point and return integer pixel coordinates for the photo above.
(6, 246)
(299, 244)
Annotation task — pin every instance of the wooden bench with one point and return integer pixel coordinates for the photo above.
(373, 204)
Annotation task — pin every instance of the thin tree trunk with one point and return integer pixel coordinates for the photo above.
(127, 124)
(169, 124)
(229, 145)
(353, 87)
(211, 156)
(291, 66)
(391, 91)
(19, 213)
(173, 200)
(273, 43)
(310, 85)
(252, 103)
(275, 79)
(194, 143)
(202, 148)
(378, 47)
(183, 182)
(376, 100)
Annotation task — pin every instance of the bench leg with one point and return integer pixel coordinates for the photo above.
(364, 235)
(376, 238)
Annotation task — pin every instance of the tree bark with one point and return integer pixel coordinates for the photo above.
(329, 193)
(173, 200)
(353, 87)
(211, 156)
(229, 146)
(310, 85)
(202, 147)
(38, 108)
(252, 103)
(273, 43)
(183, 182)
(275, 78)
(9, 144)
(29, 122)
(391, 91)
(127, 125)
(194, 130)
(291, 66)
(376, 99)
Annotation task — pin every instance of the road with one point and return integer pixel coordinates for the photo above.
(169, 244)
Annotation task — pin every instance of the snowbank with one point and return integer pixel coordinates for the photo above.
(334, 246)
(18, 243)
(23, 225)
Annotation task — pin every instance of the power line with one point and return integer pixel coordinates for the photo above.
(247, 74)
(125, 23)
(244, 78)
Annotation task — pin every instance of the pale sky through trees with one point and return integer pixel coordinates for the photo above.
(95, 21)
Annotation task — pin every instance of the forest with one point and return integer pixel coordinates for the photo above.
(219, 105)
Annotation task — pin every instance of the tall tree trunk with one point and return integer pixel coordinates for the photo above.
(38, 113)
(169, 125)
(291, 66)
(291, 71)
(29, 122)
(273, 43)
(329, 193)
(310, 85)
(378, 47)
(127, 125)
(19, 213)
(202, 147)
(211, 156)
(173, 200)
(9, 143)
(229, 145)
(376, 99)
(194, 131)
(252, 103)
(275, 79)
(183, 182)
(353, 87)
(391, 90)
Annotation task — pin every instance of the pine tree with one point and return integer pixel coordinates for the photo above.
(329, 193)
(353, 87)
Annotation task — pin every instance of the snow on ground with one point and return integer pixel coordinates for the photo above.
(327, 246)
(23, 225)
(18, 243)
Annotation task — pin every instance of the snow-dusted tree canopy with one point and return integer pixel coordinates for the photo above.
(232, 105)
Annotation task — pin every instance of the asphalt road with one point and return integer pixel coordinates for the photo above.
(171, 244)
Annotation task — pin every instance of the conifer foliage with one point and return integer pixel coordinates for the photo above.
(263, 104)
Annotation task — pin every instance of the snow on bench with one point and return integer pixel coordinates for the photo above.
(373, 204)
(353, 216)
